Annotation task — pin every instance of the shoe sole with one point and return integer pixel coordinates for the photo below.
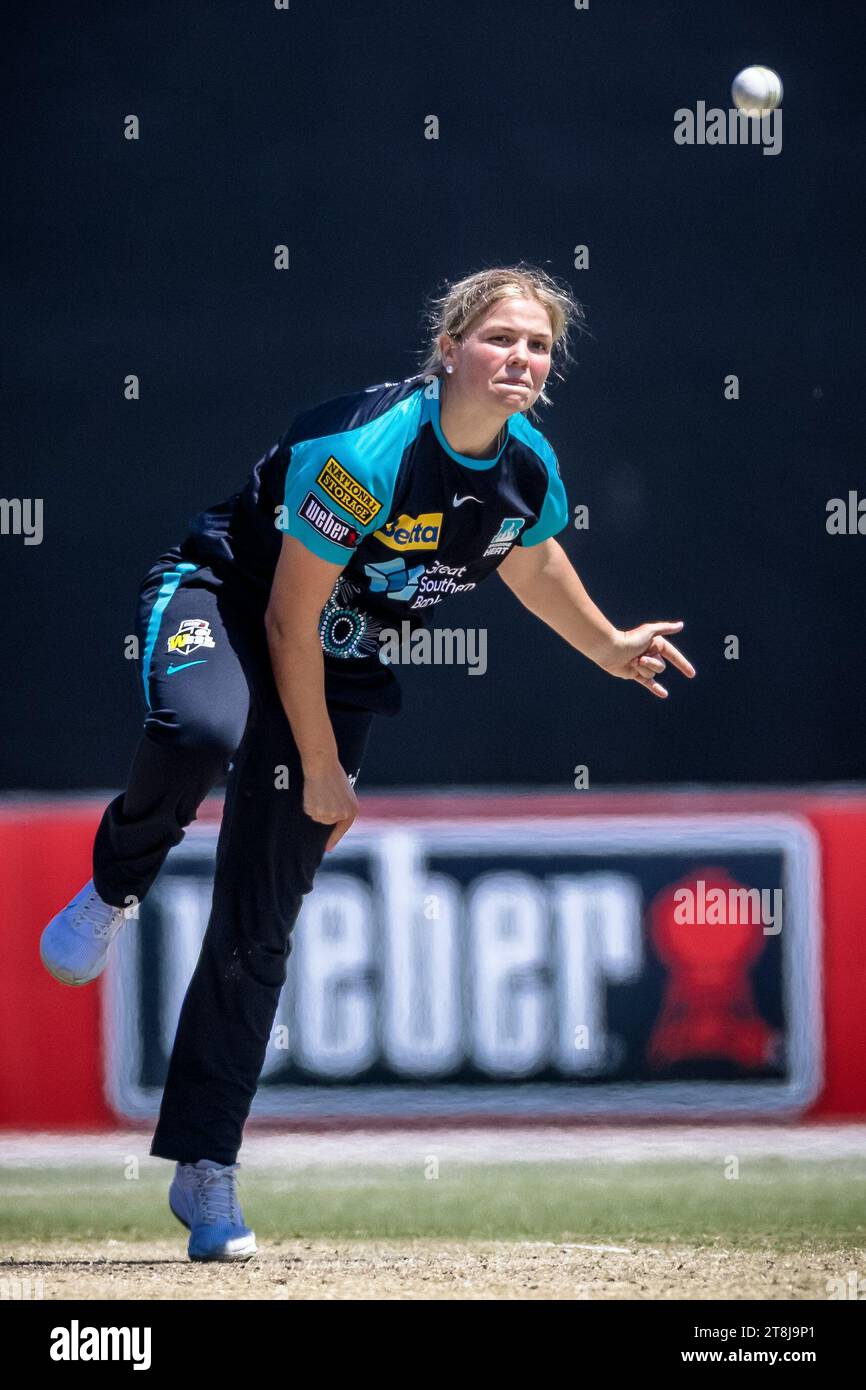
(65, 977)
(224, 1258)
(203, 1259)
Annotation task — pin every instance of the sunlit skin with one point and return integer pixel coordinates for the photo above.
(499, 368)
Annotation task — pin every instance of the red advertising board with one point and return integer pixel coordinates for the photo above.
(705, 993)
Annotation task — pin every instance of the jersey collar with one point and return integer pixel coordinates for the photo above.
(431, 408)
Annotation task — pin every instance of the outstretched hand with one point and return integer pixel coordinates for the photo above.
(642, 653)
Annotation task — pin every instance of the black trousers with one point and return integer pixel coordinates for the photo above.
(211, 700)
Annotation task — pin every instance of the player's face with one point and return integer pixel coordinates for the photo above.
(506, 357)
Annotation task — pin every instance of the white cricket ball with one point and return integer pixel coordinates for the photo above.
(757, 91)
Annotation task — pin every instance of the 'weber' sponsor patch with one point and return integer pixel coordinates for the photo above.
(327, 523)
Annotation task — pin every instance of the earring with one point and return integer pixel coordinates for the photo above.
(449, 368)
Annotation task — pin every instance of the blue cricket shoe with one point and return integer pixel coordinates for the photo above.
(203, 1196)
(74, 946)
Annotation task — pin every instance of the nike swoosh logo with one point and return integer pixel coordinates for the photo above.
(458, 501)
(170, 670)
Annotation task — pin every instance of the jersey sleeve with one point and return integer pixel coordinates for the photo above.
(554, 512)
(336, 492)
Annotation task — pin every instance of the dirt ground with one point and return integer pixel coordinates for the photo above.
(427, 1270)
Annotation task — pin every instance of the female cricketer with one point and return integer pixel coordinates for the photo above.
(261, 659)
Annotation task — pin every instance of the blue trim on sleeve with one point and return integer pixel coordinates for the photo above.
(170, 581)
(370, 455)
(554, 513)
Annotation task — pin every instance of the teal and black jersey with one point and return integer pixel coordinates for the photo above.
(368, 481)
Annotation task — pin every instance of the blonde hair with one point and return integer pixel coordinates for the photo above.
(463, 303)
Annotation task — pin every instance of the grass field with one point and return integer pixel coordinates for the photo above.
(592, 1227)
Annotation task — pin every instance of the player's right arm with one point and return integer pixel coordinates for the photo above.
(337, 490)
(302, 584)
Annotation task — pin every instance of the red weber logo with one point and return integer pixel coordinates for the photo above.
(327, 523)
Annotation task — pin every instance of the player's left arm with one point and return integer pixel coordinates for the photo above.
(545, 581)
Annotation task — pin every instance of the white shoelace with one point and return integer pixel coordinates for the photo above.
(218, 1192)
(91, 913)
